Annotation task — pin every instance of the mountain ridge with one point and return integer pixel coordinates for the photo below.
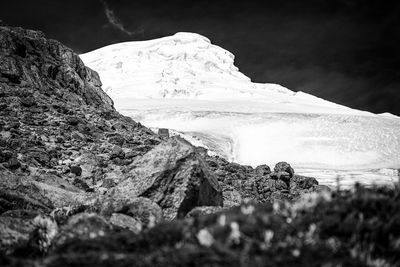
(183, 66)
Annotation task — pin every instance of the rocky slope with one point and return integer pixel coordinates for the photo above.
(82, 184)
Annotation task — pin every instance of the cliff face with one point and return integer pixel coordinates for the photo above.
(30, 61)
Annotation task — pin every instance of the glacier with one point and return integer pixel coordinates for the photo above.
(191, 86)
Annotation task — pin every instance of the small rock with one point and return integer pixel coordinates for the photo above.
(28, 101)
(40, 156)
(73, 121)
(78, 136)
(281, 185)
(283, 176)
(108, 183)
(81, 184)
(262, 170)
(284, 167)
(13, 163)
(116, 140)
(164, 133)
(14, 125)
(117, 152)
(76, 170)
(5, 155)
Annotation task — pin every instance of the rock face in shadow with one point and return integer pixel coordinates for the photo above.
(28, 59)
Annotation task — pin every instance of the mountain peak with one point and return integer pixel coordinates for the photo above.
(190, 37)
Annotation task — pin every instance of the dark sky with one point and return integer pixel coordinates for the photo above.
(346, 51)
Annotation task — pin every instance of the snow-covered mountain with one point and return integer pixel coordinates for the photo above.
(185, 83)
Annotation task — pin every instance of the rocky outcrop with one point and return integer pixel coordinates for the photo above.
(240, 182)
(174, 176)
(62, 144)
(29, 60)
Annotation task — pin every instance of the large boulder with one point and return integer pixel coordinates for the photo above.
(174, 176)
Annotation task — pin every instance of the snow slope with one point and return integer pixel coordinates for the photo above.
(184, 82)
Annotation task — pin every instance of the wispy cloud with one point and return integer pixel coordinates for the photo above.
(116, 22)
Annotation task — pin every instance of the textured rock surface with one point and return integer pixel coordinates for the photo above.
(240, 182)
(174, 176)
(74, 172)
(28, 59)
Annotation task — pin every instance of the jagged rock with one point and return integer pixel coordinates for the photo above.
(27, 58)
(260, 183)
(173, 176)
